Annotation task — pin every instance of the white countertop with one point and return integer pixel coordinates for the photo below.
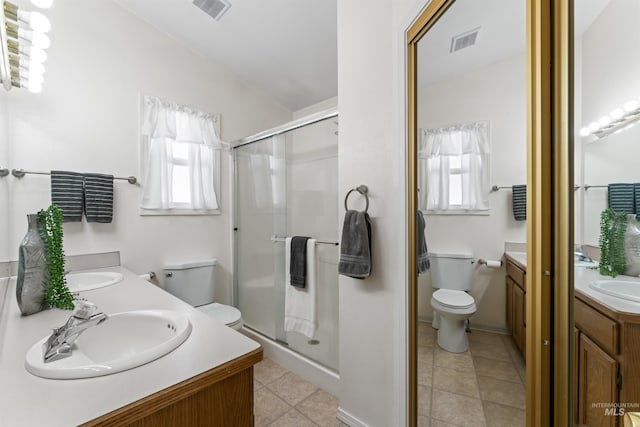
(583, 276)
(27, 400)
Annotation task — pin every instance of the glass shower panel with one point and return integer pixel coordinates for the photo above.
(260, 213)
(287, 185)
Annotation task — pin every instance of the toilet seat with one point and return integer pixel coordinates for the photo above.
(226, 314)
(453, 299)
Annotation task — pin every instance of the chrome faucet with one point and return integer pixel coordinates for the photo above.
(579, 255)
(60, 343)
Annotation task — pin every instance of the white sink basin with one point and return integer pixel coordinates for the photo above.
(123, 341)
(618, 288)
(585, 264)
(79, 282)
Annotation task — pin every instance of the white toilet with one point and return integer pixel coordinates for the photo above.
(452, 276)
(195, 283)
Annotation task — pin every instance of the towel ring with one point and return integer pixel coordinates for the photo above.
(362, 189)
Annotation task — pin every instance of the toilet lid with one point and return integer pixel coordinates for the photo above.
(453, 299)
(223, 313)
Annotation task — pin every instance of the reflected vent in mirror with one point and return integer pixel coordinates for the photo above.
(464, 40)
(213, 8)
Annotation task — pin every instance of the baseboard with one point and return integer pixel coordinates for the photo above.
(349, 419)
(480, 328)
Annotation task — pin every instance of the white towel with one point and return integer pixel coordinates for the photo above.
(300, 303)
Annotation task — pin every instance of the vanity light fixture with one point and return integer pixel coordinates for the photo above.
(618, 120)
(22, 44)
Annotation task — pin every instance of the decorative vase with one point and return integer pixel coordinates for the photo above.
(33, 270)
(632, 247)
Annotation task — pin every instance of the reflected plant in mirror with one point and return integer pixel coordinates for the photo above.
(612, 230)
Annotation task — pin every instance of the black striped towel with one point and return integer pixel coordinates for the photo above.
(519, 193)
(66, 193)
(636, 196)
(620, 197)
(98, 197)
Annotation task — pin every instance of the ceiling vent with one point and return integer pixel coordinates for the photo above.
(213, 8)
(463, 40)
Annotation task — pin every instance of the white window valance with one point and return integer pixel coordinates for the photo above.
(180, 159)
(454, 168)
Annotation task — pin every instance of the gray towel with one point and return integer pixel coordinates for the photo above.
(519, 194)
(636, 197)
(66, 193)
(298, 264)
(423, 255)
(98, 197)
(355, 247)
(620, 198)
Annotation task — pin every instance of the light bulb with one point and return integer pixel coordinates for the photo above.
(594, 126)
(36, 78)
(37, 54)
(34, 87)
(40, 40)
(617, 113)
(42, 4)
(604, 121)
(36, 68)
(39, 22)
(585, 132)
(631, 105)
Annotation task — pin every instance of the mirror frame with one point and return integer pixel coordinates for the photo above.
(549, 339)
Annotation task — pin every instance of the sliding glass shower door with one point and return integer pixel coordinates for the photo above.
(287, 185)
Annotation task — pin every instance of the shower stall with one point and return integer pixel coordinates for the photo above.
(286, 184)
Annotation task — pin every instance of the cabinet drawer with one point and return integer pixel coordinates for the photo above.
(518, 276)
(597, 326)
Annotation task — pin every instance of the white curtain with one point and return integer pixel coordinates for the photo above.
(454, 156)
(178, 135)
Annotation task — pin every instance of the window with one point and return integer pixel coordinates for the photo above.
(454, 169)
(180, 160)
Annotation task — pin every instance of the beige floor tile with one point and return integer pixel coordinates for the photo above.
(267, 407)
(456, 409)
(490, 351)
(461, 362)
(502, 392)
(320, 407)
(291, 388)
(425, 366)
(504, 416)
(267, 371)
(426, 335)
(424, 400)
(293, 418)
(425, 353)
(424, 421)
(455, 382)
(496, 369)
(438, 423)
(484, 337)
(257, 385)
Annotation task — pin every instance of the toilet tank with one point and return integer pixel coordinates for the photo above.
(451, 271)
(193, 281)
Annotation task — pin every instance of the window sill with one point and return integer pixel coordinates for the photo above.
(458, 212)
(179, 212)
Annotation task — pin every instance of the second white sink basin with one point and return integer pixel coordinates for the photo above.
(618, 288)
(123, 341)
(79, 282)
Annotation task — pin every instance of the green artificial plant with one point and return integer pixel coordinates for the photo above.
(58, 294)
(612, 228)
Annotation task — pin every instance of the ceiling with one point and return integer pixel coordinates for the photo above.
(285, 48)
(502, 33)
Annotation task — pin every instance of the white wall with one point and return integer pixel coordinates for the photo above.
(86, 119)
(316, 108)
(610, 76)
(4, 182)
(496, 93)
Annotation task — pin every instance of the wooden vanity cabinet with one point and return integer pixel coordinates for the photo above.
(220, 397)
(516, 290)
(607, 362)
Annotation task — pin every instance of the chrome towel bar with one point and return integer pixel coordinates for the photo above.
(318, 242)
(19, 173)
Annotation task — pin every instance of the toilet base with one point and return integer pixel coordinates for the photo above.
(452, 335)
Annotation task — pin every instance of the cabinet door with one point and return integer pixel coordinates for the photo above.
(518, 317)
(509, 298)
(596, 385)
(576, 371)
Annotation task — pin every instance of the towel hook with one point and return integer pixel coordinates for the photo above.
(362, 189)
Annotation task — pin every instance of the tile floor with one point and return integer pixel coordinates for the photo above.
(283, 399)
(483, 386)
